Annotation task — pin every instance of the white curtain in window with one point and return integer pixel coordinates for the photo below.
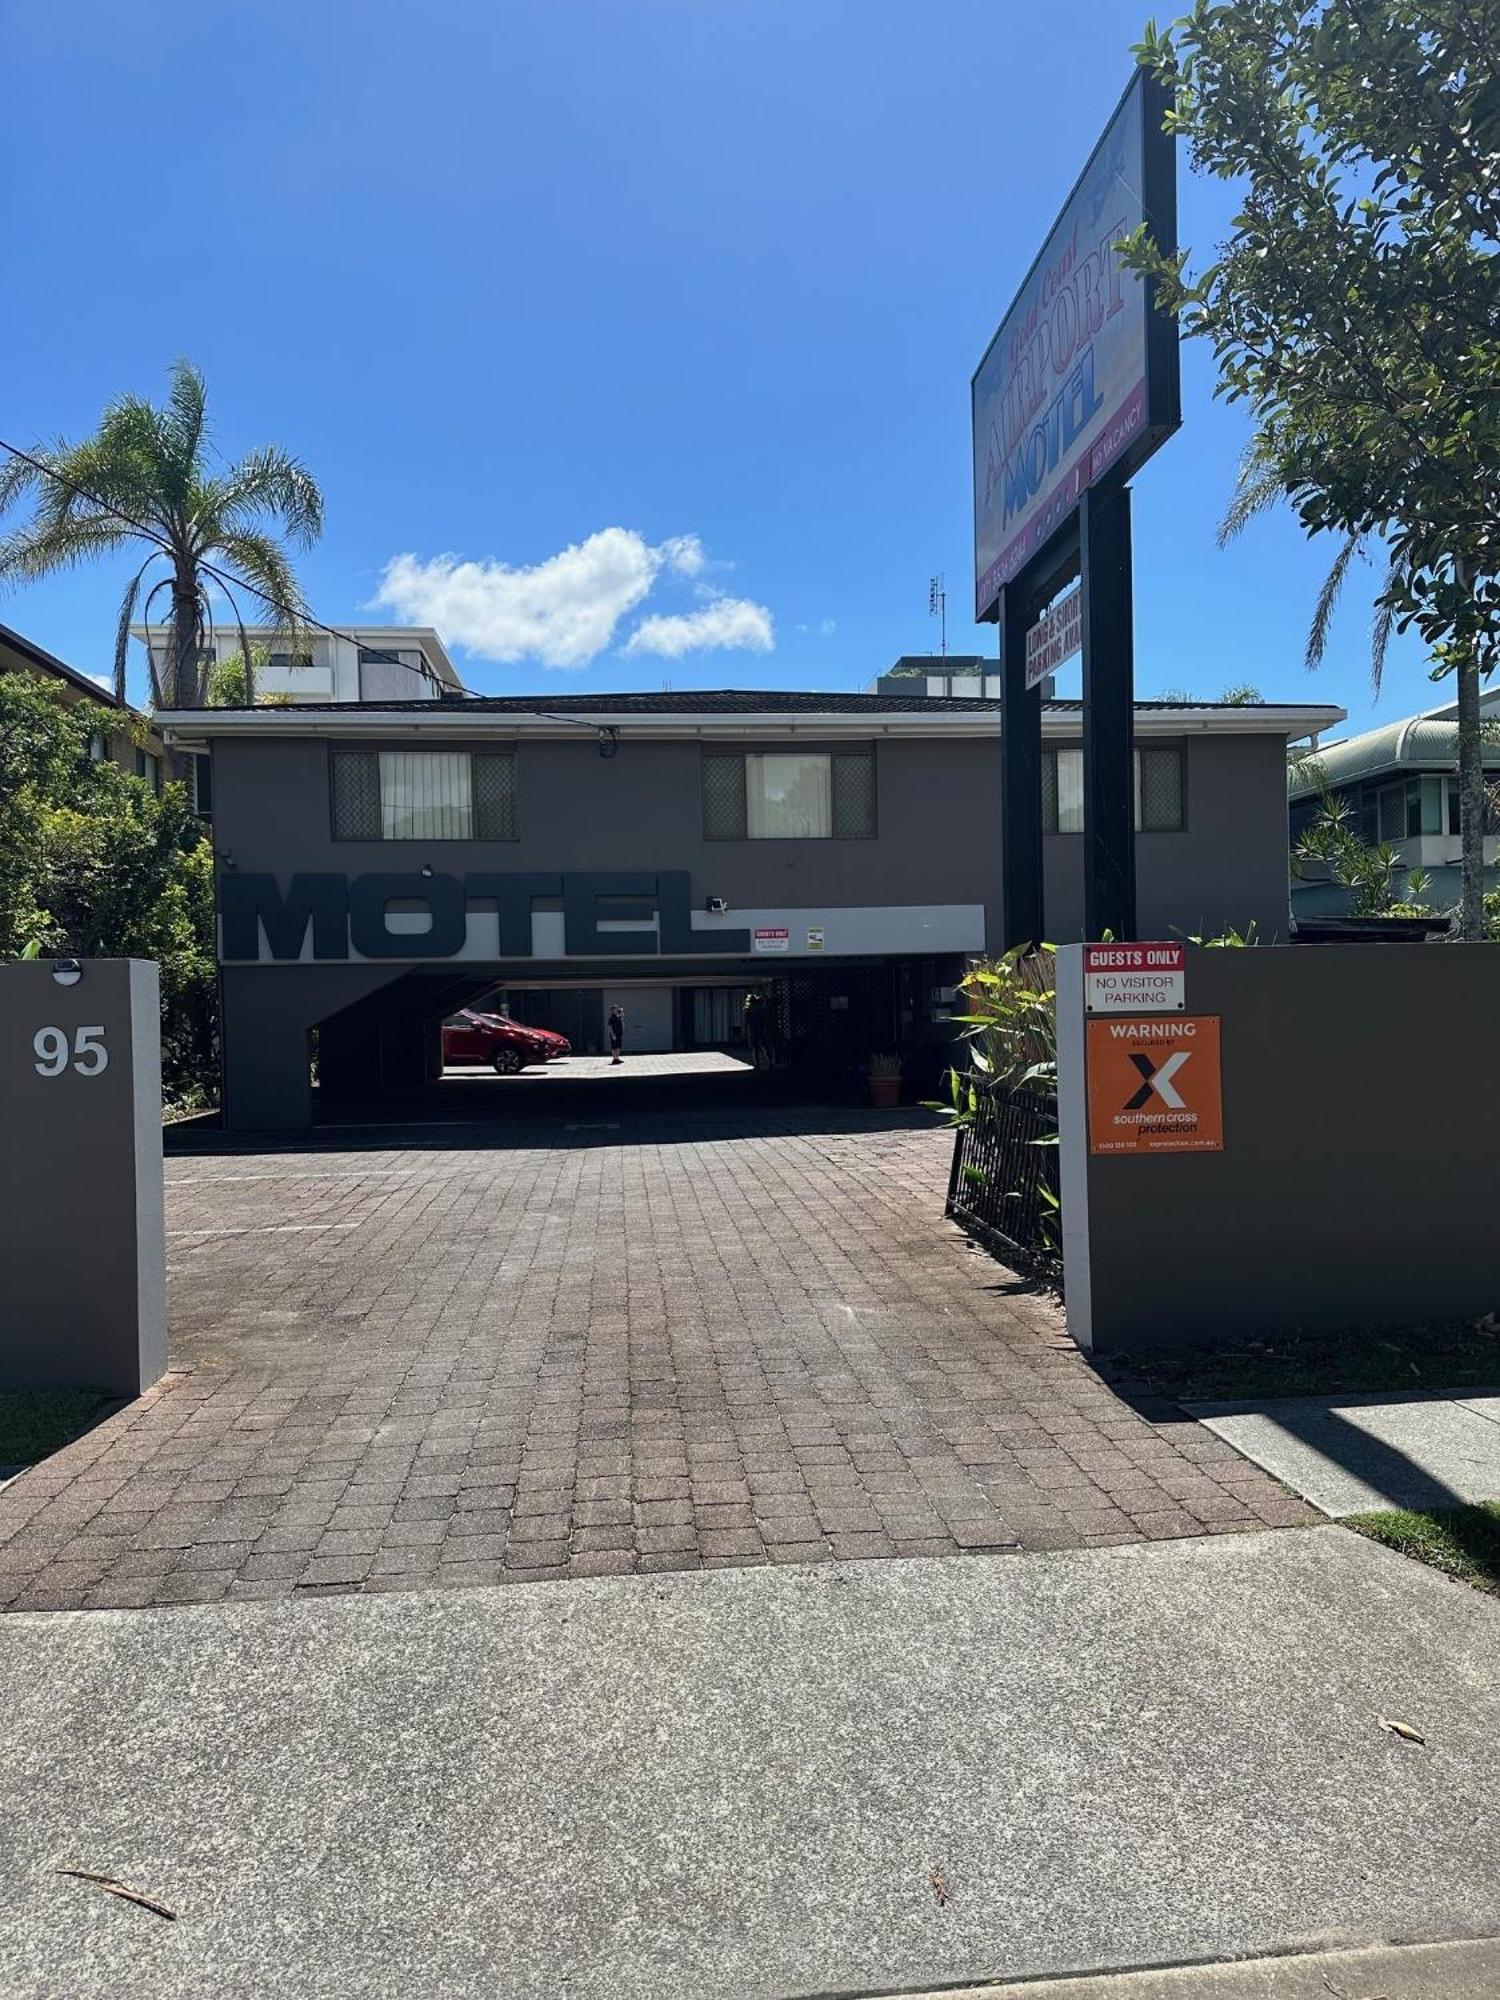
(1070, 791)
(788, 797)
(426, 795)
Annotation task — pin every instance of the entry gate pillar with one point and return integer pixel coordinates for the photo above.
(82, 1236)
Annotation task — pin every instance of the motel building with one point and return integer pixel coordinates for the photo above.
(382, 863)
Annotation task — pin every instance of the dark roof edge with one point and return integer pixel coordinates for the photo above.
(40, 657)
(744, 702)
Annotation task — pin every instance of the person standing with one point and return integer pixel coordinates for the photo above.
(616, 1032)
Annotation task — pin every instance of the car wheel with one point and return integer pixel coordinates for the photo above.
(506, 1061)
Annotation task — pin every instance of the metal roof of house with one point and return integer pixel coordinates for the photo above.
(1425, 742)
(742, 712)
(39, 659)
(756, 701)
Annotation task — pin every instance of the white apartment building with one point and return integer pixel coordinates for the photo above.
(382, 663)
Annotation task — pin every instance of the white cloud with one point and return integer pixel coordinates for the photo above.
(562, 612)
(683, 554)
(724, 624)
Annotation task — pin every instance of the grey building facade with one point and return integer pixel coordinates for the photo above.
(379, 867)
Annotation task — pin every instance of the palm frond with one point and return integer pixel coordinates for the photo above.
(185, 425)
(122, 629)
(158, 687)
(259, 561)
(1262, 482)
(1382, 626)
(246, 653)
(1328, 597)
(271, 482)
(32, 553)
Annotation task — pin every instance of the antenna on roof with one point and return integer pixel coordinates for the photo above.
(937, 607)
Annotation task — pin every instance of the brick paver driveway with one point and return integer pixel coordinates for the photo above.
(584, 1340)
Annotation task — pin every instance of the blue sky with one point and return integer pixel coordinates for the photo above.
(690, 288)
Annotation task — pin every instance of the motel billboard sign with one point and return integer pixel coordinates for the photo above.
(1082, 375)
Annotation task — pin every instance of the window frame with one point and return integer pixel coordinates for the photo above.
(1056, 832)
(832, 751)
(469, 750)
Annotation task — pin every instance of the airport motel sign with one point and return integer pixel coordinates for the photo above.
(1076, 390)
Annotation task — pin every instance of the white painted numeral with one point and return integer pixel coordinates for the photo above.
(90, 1056)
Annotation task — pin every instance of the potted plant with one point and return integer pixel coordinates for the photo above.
(885, 1081)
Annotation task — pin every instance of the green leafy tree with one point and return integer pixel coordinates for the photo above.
(94, 863)
(1375, 879)
(1353, 304)
(148, 477)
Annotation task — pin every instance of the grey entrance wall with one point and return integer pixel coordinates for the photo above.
(1361, 1102)
(264, 1025)
(82, 1265)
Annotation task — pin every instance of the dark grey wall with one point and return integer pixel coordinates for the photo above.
(937, 810)
(1361, 1102)
(938, 815)
(82, 1264)
(1227, 869)
(264, 1018)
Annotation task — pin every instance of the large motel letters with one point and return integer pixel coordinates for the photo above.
(653, 913)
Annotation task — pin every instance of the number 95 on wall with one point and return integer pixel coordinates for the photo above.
(85, 1052)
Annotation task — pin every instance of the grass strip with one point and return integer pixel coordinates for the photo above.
(1462, 1542)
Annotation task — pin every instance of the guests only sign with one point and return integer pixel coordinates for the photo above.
(1134, 978)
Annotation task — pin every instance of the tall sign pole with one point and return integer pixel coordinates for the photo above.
(1108, 713)
(1076, 391)
(1022, 901)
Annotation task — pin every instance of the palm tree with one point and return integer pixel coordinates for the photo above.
(146, 476)
(1268, 473)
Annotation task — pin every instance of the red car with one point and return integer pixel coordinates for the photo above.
(505, 1045)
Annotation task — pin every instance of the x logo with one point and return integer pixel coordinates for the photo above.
(1158, 1079)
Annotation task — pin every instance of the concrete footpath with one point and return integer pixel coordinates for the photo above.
(827, 1780)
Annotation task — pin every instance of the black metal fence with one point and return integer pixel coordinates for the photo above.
(1003, 1188)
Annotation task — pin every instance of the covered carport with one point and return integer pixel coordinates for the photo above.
(306, 1042)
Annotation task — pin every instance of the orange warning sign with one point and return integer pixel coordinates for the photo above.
(1154, 1086)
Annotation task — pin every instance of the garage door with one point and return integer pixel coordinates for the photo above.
(648, 1016)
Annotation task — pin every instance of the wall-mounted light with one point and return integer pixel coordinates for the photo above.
(226, 859)
(66, 971)
(609, 741)
(717, 905)
(427, 870)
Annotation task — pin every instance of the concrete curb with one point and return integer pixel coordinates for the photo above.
(1461, 1969)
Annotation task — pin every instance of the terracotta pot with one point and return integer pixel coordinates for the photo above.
(885, 1091)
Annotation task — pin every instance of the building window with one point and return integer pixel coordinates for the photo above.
(1158, 791)
(1455, 808)
(202, 771)
(393, 676)
(1392, 822)
(424, 795)
(789, 795)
